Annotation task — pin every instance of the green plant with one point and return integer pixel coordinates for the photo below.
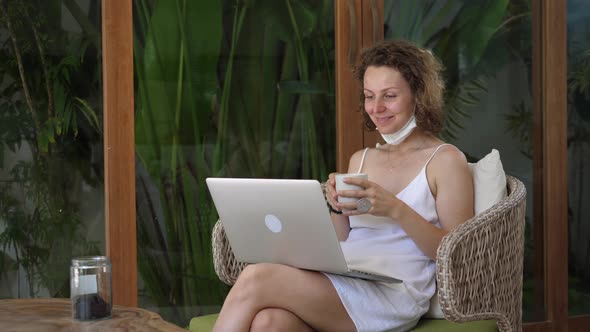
(45, 110)
(469, 37)
(520, 124)
(7, 265)
(229, 90)
(578, 141)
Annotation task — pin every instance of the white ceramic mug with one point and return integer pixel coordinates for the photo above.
(340, 185)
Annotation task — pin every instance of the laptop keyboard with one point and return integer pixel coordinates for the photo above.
(370, 276)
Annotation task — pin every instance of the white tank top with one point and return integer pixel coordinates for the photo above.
(380, 245)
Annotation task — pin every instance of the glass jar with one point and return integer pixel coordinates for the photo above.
(90, 287)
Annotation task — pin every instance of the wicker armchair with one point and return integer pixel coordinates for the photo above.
(478, 265)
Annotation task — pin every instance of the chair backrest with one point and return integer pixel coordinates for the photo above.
(480, 264)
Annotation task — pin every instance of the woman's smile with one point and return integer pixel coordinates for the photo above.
(383, 120)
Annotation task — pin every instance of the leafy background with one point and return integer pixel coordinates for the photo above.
(231, 88)
(50, 141)
(240, 88)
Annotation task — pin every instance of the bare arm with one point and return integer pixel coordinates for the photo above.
(340, 221)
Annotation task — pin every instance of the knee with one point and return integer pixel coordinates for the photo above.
(253, 276)
(254, 272)
(268, 320)
(250, 285)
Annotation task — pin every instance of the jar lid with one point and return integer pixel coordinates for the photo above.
(90, 261)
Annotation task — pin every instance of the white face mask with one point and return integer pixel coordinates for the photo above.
(400, 135)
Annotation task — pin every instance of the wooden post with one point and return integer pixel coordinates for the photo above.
(552, 102)
(349, 120)
(119, 148)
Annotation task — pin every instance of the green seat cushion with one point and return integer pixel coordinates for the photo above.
(205, 324)
(443, 325)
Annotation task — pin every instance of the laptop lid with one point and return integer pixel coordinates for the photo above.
(278, 221)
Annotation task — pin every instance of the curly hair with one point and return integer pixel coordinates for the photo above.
(420, 68)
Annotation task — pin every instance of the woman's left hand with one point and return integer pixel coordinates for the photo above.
(382, 202)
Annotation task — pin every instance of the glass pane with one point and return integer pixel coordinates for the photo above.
(51, 157)
(578, 148)
(487, 54)
(224, 88)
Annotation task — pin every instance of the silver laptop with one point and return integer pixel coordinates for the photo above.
(281, 221)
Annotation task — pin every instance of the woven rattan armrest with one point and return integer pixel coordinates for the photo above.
(479, 264)
(226, 266)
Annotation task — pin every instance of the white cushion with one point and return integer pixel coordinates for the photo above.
(489, 181)
(489, 187)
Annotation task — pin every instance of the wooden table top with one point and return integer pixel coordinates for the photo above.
(52, 314)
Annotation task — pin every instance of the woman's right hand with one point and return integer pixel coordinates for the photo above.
(331, 195)
(341, 223)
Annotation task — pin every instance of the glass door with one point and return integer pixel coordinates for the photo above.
(578, 150)
(486, 50)
(223, 88)
(51, 152)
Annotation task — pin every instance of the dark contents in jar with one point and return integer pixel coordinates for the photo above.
(91, 306)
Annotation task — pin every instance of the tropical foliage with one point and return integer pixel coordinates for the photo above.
(578, 142)
(47, 103)
(473, 40)
(232, 88)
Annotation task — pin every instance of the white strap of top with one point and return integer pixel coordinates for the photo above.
(363, 160)
(435, 151)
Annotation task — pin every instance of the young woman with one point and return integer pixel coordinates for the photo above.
(419, 188)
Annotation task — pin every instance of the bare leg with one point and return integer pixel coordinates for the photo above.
(278, 320)
(306, 294)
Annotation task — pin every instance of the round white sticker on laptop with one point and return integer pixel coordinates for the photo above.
(273, 223)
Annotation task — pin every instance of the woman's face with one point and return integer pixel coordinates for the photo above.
(389, 101)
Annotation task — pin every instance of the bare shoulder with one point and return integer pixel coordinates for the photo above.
(355, 161)
(449, 157)
(448, 164)
(453, 186)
